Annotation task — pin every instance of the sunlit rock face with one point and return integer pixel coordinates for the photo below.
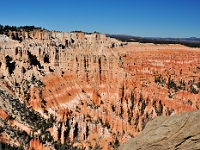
(89, 91)
(180, 131)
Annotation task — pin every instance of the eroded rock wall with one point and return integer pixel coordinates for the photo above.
(100, 92)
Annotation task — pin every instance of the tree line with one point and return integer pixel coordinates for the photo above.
(6, 28)
(156, 41)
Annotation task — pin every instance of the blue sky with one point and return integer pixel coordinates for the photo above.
(150, 18)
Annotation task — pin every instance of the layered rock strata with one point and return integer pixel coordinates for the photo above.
(94, 91)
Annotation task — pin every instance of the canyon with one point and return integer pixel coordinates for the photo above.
(62, 90)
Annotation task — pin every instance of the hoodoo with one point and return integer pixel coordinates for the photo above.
(88, 91)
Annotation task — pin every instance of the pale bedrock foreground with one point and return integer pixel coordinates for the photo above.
(180, 131)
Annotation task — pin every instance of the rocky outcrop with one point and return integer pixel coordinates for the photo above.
(93, 91)
(180, 131)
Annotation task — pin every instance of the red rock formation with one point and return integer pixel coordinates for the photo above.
(36, 145)
(100, 91)
(3, 114)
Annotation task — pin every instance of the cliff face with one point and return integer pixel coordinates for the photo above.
(91, 91)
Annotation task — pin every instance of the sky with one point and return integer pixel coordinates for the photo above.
(147, 18)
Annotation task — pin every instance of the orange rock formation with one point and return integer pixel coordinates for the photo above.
(100, 91)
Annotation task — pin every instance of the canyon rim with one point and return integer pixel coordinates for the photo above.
(77, 90)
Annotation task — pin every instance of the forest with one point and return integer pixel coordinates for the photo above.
(6, 28)
(183, 41)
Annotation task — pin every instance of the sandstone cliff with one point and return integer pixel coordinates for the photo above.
(91, 91)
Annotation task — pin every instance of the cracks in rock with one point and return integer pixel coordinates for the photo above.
(180, 127)
(185, 139)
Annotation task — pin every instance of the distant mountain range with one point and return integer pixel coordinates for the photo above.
(191, 42)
